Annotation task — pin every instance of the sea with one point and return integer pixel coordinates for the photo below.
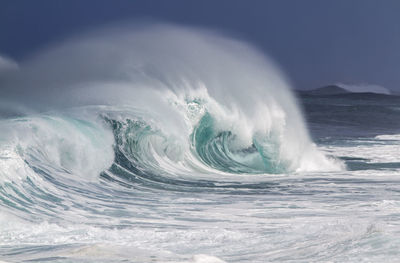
(169, 144)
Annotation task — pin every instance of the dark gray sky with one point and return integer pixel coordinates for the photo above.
(316, 42)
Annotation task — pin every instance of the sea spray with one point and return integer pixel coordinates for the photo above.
(165, 70)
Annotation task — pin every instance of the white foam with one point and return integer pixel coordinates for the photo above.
(393, 137)
(381, 149)
(204, 259)
(54, 144)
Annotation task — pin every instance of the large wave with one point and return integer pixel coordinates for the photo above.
(153, 101)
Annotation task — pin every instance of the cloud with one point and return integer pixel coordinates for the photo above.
(7, 64)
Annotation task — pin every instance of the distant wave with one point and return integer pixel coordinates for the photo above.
(364, 88)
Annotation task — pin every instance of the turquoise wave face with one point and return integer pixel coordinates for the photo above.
(215, 149)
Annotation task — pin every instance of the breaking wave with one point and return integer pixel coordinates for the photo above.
(155, 101)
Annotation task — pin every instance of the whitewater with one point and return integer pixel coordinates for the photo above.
(160, 143)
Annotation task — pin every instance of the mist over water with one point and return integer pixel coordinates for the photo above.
(172, 144)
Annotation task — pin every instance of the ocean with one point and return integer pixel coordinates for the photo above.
(174, 145)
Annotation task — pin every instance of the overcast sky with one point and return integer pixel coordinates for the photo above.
(316, 42)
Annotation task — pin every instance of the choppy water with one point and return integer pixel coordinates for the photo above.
(178, 162)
